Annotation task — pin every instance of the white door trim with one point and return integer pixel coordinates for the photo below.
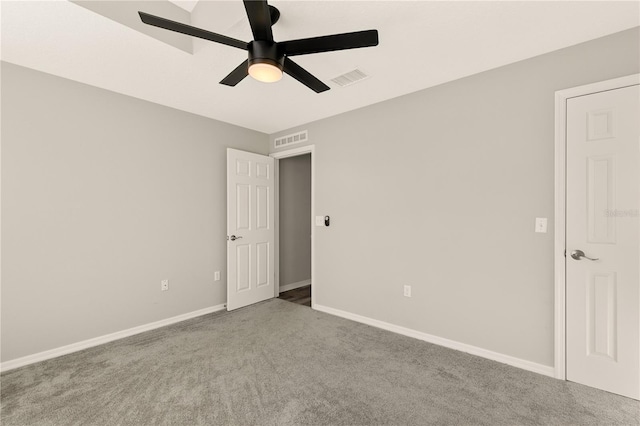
(294, 152)
(560, 211)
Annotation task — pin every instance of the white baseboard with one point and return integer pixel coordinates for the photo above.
(451, 344)
(292, 286)
(75, 347)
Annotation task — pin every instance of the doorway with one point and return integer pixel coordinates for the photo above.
(294, 230)
(597, 248)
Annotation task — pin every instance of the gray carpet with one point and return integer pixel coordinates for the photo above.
(278, 363)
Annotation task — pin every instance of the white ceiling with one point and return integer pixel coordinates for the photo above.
(187, 5)
(422, 44)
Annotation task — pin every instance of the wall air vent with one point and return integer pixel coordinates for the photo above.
(350, 78)
(291, 139)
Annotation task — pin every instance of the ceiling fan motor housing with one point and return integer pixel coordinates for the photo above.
(265, 52)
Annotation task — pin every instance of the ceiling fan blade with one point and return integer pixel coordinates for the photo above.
(329, 43)
(237, 75)
(259, 19)
(303, 76)
(167, 24)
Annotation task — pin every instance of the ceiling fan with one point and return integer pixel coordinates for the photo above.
(268, 58)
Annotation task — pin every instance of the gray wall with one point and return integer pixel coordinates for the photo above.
(295, 219)
(439, 189)
(103, 196)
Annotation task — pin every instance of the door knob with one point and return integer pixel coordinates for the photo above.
(233, 238)
(578, 254)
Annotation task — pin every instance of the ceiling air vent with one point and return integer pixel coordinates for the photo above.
(350, 78)
(291, 139)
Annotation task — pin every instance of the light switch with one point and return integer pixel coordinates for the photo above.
(541, 225)
(319, 220)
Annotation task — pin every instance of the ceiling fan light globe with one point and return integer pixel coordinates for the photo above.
(265, 72)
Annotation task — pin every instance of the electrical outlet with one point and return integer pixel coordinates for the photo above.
(541, 225)
(407, 291)
(216, 276)
(164, 285)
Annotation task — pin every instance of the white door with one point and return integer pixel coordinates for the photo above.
(603, 191)
(250, 228)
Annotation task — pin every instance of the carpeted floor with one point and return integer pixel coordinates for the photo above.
(278, 363)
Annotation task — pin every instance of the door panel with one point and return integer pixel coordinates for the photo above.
(250, 220)
(601, 198)
(603, 209)
(602, 311)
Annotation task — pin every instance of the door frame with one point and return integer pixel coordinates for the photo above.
(295, 152)
(561, 97)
